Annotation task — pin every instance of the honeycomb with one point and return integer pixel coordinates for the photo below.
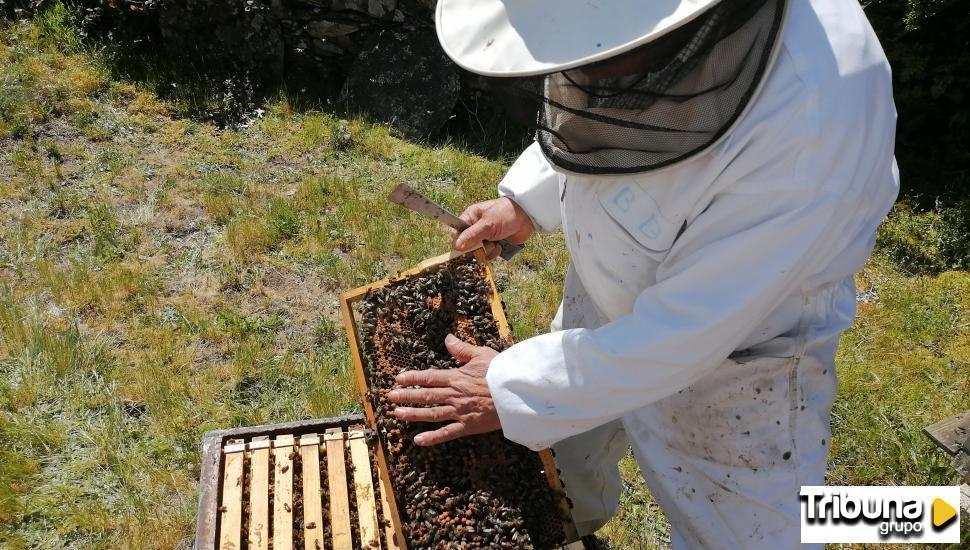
(480, 491)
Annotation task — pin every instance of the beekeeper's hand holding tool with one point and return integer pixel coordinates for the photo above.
(491, 221)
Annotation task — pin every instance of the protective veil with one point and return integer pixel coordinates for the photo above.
(704, 300)
(655, 105)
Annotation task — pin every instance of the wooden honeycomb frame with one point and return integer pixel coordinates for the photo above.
(347, 301)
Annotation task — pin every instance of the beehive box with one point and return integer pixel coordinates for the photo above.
(476, 492)
(306, 485)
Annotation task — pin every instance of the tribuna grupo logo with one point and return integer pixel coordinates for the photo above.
(850, 514)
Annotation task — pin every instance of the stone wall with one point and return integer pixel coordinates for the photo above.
(328, 31)
(381, 56)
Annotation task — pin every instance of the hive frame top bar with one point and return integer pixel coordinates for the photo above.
(211, 460)
(356, 294)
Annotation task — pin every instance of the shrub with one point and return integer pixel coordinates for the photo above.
(928, 241)
(928, 46)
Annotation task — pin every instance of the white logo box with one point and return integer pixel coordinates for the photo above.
(867, 514)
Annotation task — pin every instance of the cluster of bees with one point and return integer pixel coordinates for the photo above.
(298, 522)
(476, 492)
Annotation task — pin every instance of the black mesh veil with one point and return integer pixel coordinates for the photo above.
(658, 104)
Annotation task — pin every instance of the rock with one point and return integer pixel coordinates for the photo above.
(350, 5)
(406, 80)
(323, 47)
(329, 29)
(380, 8)
(230, 38)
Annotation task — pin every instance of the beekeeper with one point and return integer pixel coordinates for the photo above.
(718, 170)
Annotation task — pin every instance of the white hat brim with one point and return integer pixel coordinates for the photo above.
(532, 37)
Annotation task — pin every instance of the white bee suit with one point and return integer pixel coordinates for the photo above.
(704, 302)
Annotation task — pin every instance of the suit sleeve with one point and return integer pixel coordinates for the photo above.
(731, 267)
(533, 184)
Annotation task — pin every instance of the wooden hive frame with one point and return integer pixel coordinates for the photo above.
(237, 462)
(351, 297)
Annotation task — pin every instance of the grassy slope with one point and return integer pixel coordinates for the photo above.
(160, 278)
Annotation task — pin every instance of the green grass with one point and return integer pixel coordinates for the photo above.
(161, 277)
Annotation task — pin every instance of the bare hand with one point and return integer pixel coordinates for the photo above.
(491, 221)
(459, 396)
